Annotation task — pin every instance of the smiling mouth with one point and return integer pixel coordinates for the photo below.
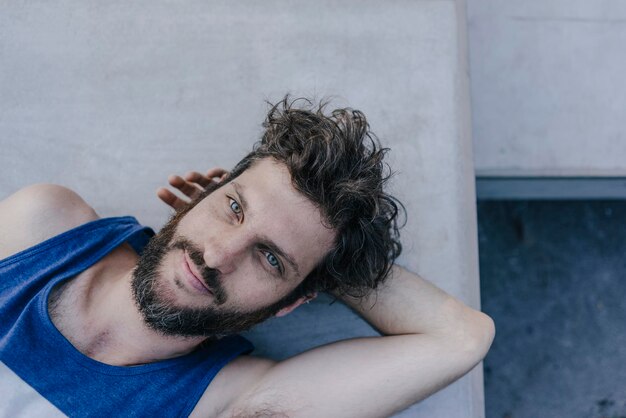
(195, 281)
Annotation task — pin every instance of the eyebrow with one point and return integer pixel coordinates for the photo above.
(264, 240)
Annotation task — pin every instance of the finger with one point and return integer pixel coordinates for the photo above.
(170, 198)
(217, 172)
(195, 177)
(188, 189)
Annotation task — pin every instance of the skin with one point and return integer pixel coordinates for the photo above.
(231, 244)
(429, 338)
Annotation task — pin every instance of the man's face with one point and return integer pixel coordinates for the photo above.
(229, 261)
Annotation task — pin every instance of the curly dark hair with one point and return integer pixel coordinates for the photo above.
(336, 162)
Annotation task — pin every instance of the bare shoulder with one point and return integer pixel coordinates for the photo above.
(38, 212)
(237, 377)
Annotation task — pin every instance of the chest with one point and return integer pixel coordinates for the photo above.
(70, 301)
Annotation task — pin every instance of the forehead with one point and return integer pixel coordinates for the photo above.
(276, 210)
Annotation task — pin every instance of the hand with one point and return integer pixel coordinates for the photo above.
(191, 186)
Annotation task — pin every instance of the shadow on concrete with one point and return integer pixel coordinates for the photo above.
(553, 278)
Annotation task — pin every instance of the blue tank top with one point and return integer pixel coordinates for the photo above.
(34, 349)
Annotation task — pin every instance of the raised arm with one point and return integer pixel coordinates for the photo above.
(431, 340)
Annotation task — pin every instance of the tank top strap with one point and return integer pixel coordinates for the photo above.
(80, 247)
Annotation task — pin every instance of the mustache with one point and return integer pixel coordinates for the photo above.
(209, 275)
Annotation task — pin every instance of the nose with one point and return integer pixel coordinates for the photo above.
(225, 252)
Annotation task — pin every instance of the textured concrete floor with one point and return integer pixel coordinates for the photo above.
(553, 279)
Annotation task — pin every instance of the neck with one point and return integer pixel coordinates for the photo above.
(97, 313)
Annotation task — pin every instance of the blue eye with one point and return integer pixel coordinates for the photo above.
(234, 206)
(271, 258)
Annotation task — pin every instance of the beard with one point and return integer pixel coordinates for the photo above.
(154, 299)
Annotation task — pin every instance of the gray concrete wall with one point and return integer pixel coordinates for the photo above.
(548, 90)
(109, 98)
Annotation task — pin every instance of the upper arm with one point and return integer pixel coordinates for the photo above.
(38, 212)
(235, 378)
(365, 377)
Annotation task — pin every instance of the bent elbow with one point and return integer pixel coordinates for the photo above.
(482, 331)
(489, 332)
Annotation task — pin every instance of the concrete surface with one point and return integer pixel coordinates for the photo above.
(552, 277)
(548, 90)
(109, 98)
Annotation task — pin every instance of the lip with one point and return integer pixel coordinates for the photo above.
(192, 276)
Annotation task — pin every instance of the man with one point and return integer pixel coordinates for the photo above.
(101, 323)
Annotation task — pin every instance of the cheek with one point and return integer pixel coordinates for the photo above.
(252, 291)
(198, 221)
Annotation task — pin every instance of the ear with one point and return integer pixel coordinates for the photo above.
(287, 309)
